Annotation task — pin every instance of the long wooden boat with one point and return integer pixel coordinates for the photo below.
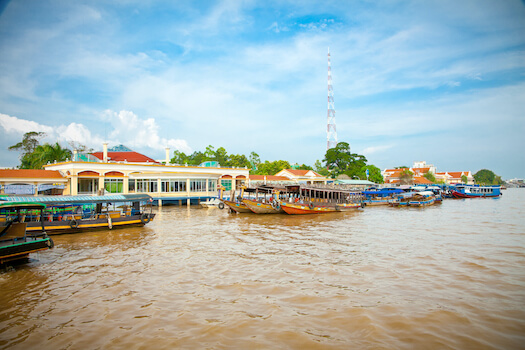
(317, 200)
(71, 214)
(15, 242)
(260, 207)
(476, 191)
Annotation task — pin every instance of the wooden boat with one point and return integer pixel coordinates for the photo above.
(476, 191)
(318, 200)
(401, 199)
(264, 199)
(15, 242)
(71, 214)
(422, 199)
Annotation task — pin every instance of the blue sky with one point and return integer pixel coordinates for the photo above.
(441, 81)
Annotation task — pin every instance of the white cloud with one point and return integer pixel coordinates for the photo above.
(129, 129)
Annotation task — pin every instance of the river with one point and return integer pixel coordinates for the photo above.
(450, 276)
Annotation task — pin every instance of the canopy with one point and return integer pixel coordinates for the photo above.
(114, 198)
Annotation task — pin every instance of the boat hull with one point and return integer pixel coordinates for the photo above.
(237, 207)
(457, 194)
(20, 248)
(79, 225)
(301, 209)
(424, 203)
(262, 208)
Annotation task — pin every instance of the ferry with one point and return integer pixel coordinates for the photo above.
(71, 214)
(15, 242)
(476, 191)
(318, 200)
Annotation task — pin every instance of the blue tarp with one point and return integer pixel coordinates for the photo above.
(382, 193)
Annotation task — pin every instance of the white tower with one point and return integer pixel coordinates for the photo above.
(331, 133)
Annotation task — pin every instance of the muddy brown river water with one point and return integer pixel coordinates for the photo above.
(450, 276)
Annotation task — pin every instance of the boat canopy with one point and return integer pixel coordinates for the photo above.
(114, 198)
(387, 192)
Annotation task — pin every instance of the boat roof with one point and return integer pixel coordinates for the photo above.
(113, 198)
(383, 191)
(22, 205)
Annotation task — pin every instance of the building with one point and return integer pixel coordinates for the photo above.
(125, 171)
(31, 181)
(302, 176)
(419, 169)
(454, 177)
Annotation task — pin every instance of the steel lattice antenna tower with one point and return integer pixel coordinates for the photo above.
(331, 133)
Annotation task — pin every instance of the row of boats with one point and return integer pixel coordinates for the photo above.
(27, 222)
(304, 199)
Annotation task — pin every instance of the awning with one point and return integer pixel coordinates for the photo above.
(114, 198)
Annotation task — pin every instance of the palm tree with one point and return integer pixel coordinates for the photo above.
(48, 153)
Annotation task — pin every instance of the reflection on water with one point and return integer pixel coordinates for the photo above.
(447, 276)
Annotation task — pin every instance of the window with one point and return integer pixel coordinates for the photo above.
(146, 185)
(212, 185)
(113, 185)
(131, 185)
(87, 185)
(167, 185)
(197, 185)
(227, 184)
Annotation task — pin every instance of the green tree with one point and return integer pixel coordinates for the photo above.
(374, 174)
(320, 169)
(272, 168)
(487, 177)
(209, 153)
(197, 158)
(430, 177)
(238, 161)
(48, 153)
(27, 146)
(255, 162)
(179, 158)
(464, 179)
(221, 156)
(304, 167)
(341, 161)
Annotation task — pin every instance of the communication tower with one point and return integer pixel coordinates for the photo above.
(331, 133)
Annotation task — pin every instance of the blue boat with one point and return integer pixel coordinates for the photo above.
(380, 197)
(476, 191)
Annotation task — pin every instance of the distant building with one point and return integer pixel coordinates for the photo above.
(302, 176)
(419, 169)
(31, 182)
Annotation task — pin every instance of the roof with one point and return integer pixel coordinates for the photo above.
(30, 174)
(268, 178)
(354, 182)
(113, 198)
(422, 180)
(132, 157)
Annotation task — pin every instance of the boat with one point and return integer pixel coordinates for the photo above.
(15, 242)
(422, 199)
(236, 206)
(476, 191)
(213, 203)
(264, 199)
(318, 200)
(380, 197)
(71, 214)
(401, 199)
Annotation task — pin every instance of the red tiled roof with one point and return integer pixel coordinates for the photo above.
(422, 180)
(30, 173)
(268, 178)
(457, 174)
(132, 157)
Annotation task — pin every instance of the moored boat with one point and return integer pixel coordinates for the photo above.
(422, 199)
(318, 200)
(380, 197)
(71, 214)
(15, 242)
(476, 191)
(236, 206)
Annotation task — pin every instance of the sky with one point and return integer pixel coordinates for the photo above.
(441, 81)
